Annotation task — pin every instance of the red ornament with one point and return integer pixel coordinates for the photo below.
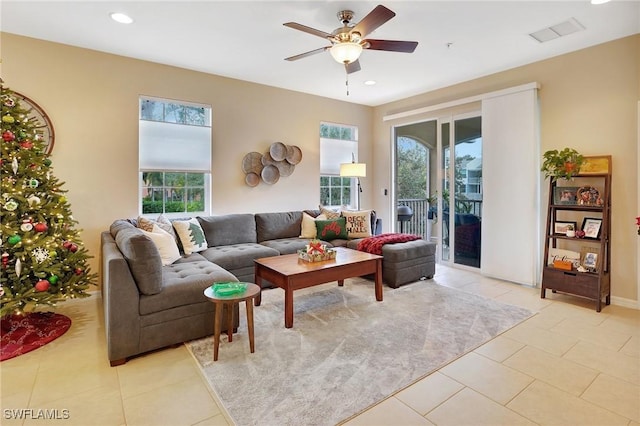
(8, 136)
(5, 259)
(79, 271)
(42, 285)
(40, 227)
(73, 248)
(67, 244)
(26, 144)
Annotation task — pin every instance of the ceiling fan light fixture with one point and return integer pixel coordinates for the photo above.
(346, 52)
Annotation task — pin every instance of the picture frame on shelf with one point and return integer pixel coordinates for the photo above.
(565, 195)
(592, 227)
(561, 227)
(590, 258)
(589, 196)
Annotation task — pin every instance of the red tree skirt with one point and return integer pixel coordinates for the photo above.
(24, 333)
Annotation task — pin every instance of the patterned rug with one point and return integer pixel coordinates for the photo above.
(345, 352)
(24, 333)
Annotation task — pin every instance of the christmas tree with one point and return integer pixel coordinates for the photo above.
(43, 261)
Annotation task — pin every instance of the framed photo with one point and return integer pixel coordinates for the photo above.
(565, 195)
(592, 227)
(561, 227)
(589, 196)
(590, 258)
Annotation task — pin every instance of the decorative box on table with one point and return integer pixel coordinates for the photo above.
(315, 251)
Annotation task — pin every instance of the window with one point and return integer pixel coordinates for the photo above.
(338, 144)
(175, 157)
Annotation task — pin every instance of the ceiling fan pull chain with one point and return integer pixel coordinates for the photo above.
(346, 78)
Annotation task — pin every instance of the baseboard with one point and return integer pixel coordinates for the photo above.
(624, 302)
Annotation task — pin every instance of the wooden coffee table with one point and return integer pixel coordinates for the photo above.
(291, 273)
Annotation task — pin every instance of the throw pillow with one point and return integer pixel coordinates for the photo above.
(309, 229)
(358, 223)
(146, 224)
(165, 243)
(329, 213)
(331, 229)
(191, 235)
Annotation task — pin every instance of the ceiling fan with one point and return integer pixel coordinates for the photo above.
(348, 41)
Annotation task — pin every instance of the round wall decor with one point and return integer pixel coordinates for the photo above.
(279, 161)
(45, 127)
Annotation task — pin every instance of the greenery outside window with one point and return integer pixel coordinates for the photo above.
(175, 157)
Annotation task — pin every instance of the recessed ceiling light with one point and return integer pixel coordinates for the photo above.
(370, 83)
(121, 17)
(599, 1)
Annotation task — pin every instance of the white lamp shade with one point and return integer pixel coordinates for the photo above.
(353, 170)
(346, 52)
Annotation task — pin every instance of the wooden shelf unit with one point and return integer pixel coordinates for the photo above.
(591, 285)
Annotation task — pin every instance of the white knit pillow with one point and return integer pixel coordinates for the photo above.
(165, 243)
(309, 229)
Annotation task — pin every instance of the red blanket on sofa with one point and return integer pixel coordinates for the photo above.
(374, 244)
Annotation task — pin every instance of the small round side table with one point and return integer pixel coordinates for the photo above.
(247, 296)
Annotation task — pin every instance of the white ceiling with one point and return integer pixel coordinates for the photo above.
(246, 39)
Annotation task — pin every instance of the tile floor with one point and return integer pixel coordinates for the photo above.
(567, 365)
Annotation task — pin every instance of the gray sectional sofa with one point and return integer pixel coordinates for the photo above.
(149, 306)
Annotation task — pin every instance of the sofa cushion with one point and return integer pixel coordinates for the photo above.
(237, 256)
(358, 223)
(272, 226)
(119, 225)
(229, 229)
(183, 284)
(166, 244)
(143, 258)
(332, 229)
(289, 245)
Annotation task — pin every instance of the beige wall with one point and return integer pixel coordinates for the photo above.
(92, 99)
(588, 100)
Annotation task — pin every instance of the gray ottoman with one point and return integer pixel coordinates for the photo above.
(404, 263)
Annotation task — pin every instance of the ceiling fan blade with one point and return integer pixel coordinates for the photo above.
(307, 30)
(373, 20)
(392, 45)
(353, 67)
(309, 53)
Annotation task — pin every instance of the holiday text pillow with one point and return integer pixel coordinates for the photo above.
(358, 223)
(191, 235)
(165, 243)
(309, 225)
(332, 229)
(329, 213)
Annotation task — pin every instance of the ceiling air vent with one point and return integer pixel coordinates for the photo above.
(559, 30)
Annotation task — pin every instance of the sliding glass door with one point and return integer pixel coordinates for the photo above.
(460, 195)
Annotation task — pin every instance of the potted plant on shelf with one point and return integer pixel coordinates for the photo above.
(561, 164)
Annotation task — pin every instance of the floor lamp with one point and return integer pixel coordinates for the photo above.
(354, 170)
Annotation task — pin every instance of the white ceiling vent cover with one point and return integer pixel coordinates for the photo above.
(562, 29)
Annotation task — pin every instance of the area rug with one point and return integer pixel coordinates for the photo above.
(24, 333)
(345, 351)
